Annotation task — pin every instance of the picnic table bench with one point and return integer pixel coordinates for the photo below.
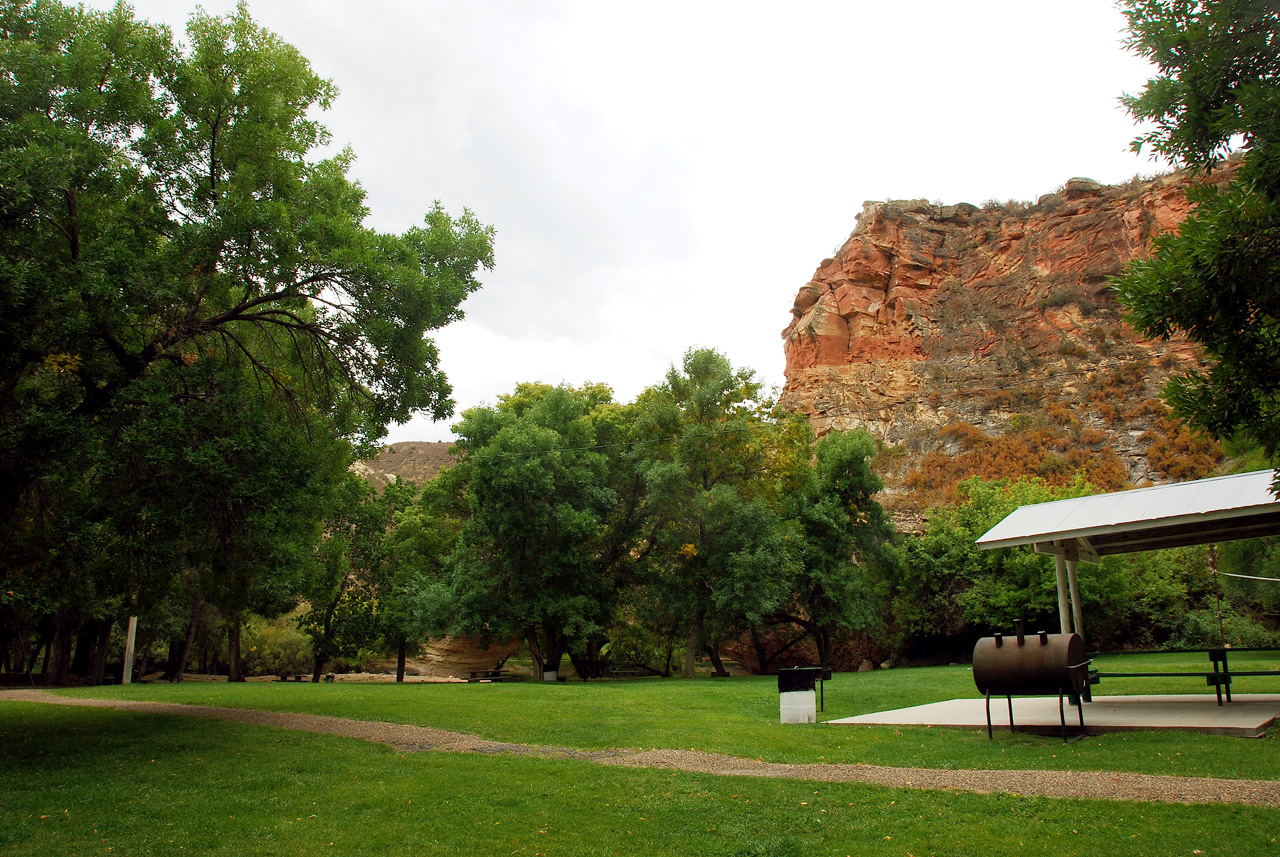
(627, 672)
(489, 675)
(1219, 677)
(302, 677)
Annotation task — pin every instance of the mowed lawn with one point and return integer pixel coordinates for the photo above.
(739, 716)
(94, 781)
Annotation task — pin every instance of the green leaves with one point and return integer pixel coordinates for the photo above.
(1217, 281)
(163, 203)
(946, 587)
(538, 555)
(196, 325)
(1219, 65)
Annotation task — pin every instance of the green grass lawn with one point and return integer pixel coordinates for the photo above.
(94, 781)
(739, 716)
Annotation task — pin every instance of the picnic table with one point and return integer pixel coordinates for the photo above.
(1218, 676)
(489, 675)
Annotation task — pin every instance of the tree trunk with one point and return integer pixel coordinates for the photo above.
(713, 652)
(691, 644)
(101, 651)
(535, 652)
(171, 663)
(235, 667)
(184, 655)
(61, 646)
(763, 658)
(86, 639)
(822, 641)
(44, 665)
(316, 669)
(27, 655)
(401, 652)
(130, 645)
(552, 651)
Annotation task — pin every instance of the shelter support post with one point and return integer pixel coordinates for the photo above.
(1064, 615)
(1074, 583)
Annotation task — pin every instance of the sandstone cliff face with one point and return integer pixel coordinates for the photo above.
(929, 316)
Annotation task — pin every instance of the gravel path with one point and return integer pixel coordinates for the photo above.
(1099, 785)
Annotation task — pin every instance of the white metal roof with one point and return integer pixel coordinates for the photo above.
(1207, 510)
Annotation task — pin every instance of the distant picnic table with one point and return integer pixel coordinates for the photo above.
(1218, 677)
(489, 675)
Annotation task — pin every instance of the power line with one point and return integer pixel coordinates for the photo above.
(1248, 576)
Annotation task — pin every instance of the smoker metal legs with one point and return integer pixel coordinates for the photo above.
(1062, 717)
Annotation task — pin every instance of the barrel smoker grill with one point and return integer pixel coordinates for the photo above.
(1032, 665)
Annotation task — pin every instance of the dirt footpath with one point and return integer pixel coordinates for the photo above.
(1099, 785)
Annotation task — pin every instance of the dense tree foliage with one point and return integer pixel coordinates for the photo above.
(947, 592)
(197, 334)
(531, 560)
(196, 326)
(717, 469)
(844, 544)
(1217, 280)
(618, 534)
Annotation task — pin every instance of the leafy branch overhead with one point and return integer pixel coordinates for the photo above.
(167, 204)
(1217, 281)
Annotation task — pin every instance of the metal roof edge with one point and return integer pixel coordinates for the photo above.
(1128, 526)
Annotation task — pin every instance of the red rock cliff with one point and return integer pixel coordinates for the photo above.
(929, 315)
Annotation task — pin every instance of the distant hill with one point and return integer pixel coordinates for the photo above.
(412, 461)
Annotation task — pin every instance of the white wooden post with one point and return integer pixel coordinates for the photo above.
(126, 676)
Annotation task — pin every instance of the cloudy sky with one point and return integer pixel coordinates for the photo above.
(665, 175)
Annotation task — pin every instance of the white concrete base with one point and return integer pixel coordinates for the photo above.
(799, 706)
(1249, 715)
(549, 675)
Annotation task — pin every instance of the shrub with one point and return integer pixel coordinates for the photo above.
(1179, 453)
(1200, 629)
(274, 646)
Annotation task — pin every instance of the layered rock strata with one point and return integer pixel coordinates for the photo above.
(930, 314)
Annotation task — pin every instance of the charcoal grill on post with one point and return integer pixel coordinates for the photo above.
(1038, 664)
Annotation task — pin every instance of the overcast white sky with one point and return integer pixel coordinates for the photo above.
(664, 175)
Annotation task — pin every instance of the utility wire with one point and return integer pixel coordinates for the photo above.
(1248, 576)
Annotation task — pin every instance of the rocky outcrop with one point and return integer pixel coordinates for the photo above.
(930, 315)
(412, 461)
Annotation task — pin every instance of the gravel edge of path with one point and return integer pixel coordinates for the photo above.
(1092, 785)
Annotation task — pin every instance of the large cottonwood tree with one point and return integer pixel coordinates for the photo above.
(166, 204)
(183, 271)
(715, 465)
(536, 555)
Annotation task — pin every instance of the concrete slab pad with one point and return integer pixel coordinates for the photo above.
(1248, 715)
